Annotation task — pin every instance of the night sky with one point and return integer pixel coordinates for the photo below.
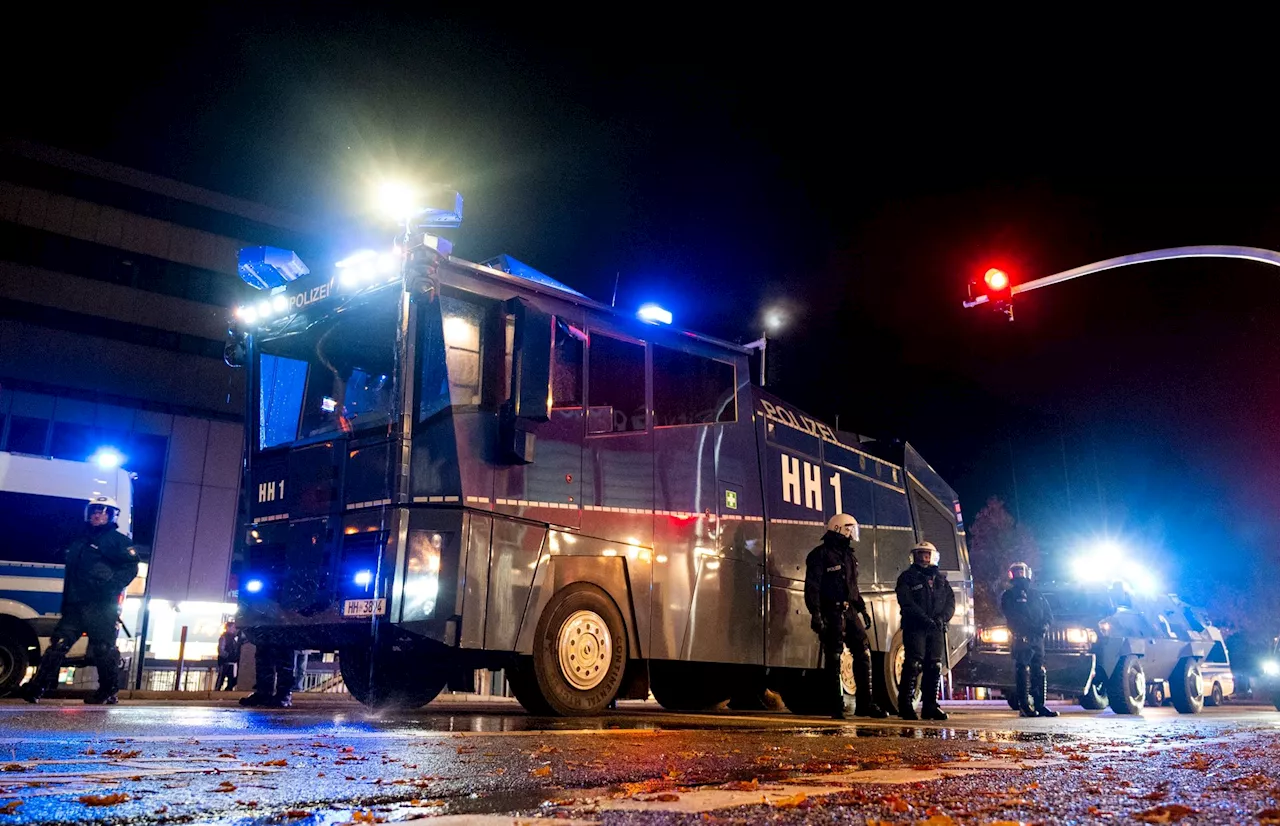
(859, 170)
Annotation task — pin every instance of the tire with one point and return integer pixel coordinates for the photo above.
(682, 686)
(1127, 686)
(525, 686)
(1156, 695)
(886, 670)
(15, 658)
(1187, 686)
(402, 676)
(1215, 696)
(579, 654)
(1095, 699)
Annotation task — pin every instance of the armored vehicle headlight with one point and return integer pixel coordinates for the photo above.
(996, 635)
(1081, 636)
(1271, 668)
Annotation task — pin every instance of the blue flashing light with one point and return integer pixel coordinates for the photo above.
(266, 267)
(444, 210)
(108, 458)
(363, 578)
(253, 586)
(654, 314)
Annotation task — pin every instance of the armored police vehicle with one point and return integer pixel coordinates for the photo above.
(42, 504)
(1110, 646)
(454, 466)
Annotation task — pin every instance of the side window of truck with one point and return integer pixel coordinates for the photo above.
(615, 386)
(566, 366)
(689, 389)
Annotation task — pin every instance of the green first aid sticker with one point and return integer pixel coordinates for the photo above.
(731, 499)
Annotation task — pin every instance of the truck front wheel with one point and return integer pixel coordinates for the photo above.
(1187, 686)
(579, 654)
(1127, 686)
(402, 676)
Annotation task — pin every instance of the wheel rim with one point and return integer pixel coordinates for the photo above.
(1195, 685)
(584, 647)
(846, 672)
(1139, 686)
(7, 665)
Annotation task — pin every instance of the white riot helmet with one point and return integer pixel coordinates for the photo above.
(845, 525)
(111, 506)
(1019, 569)
(925, 547)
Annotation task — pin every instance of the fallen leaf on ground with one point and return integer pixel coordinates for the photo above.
(13, 767)
(113, 799)
(789, 802)
(742, 785)
(665, 797)
(937, 820)
(1269, 817)
(1168, 813)
(10, 808)
(275, 763)
(545, 771)
(225, 786)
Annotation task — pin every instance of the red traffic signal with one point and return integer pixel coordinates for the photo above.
(996, 288)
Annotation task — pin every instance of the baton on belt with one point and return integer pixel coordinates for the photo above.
(124, 628)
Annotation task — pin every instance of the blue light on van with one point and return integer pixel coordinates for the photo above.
(253, 586)
(108, 458)
(363, 578)
(654, 314)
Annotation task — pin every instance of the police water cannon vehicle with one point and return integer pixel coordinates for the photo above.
(453, 466)
(1108, 645)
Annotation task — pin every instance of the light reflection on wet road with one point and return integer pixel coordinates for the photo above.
(224, 764)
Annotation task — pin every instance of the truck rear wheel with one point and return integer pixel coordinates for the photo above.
(1187, 686)
(396, 677)
(579, 654)
(886, 673)
(1127, 686)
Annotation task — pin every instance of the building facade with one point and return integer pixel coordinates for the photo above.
(115, 288)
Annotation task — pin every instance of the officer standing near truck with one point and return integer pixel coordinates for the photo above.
(928, 603)
(839, 614)
(1027, 612)
(101, 563)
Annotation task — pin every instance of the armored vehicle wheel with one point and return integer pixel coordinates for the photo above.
(1127, 686)
(1156, 694)
(886, 673)
(1187, 686)
(1216, 696)
(1095, 699)
(681, 686)
(1277, 699)
(400, 677)
(14, 661)
(808, 693)
(579, 654)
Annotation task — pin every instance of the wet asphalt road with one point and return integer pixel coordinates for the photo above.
(153, 763)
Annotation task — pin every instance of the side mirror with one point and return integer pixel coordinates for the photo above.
(530, 362)
(530, 380)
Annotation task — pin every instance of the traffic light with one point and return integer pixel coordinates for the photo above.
(997, 288)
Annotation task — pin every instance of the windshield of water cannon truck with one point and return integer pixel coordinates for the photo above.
(334, 378)
(1078, 604)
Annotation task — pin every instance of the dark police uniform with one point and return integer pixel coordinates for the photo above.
(832, 597)
(1028, 614)
(100, 566)
(928, 603)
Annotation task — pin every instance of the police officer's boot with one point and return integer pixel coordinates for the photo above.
(46, 675)
(1022, 675)
(864, 703)
(106, 659)
(930, 710)
(285, 681)
(907, 690)
(832, 677)
(1039, 684)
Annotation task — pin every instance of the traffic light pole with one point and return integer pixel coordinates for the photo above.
(1244, 253)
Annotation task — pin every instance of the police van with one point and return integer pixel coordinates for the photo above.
(454, 466)
(42, 504)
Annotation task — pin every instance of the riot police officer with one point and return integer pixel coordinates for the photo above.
(839, 613)
(100, 565)
(928, 603)
(1027, 612)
